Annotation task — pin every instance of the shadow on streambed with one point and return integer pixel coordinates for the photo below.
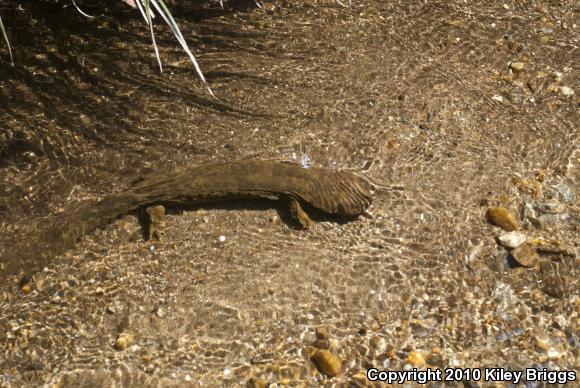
(33, 256)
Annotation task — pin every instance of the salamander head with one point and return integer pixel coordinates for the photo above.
(341, 192)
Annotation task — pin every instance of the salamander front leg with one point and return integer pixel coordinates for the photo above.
(299, 214)
(155, 222)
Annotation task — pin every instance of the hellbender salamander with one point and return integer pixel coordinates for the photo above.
(335, 192)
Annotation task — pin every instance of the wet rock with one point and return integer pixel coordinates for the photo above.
(39, 283)
(552, 246)
(322, 337)
(525, 255)
(322, 333)
(255, 382)
(26, 288)
(527, 186)
(529, 213)
(553, 287)
(512, 239)
(555, 353)
(517, 66)
(552, 88)
(378, 344)
(24, 284)
(359, 379)
(545, 39)
(551, 207)
(566, 91)
(506, 300)
(391, 351)
(490, 200)
(516, 98)
(560, 322)
(333, 343)
(416, 359)
(535, 85)
(436, 357)
(326, 362)
(549, 346)
(123, 341)
(543, 341)
(565, 192)
(502, 217)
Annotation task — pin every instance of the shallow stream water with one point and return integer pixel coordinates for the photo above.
(450, 107)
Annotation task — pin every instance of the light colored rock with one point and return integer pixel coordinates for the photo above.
(517, 66)
(378, 344)
(567, 91)
(543, 341)
(512, 239)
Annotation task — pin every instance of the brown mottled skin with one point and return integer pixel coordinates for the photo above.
(335, 192)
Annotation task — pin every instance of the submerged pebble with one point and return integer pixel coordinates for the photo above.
(255, 382)
(565, 191)
(322, 333)
(123, 341)
(502, 217)
(553, 287)
(543, 341)
(26, 288)
(549, 346)
(525, 255)
(517, 66)
(416, 359)
(512, 239)
(553, 246)
(378, 344)
(528, 186)
(566, 91)
(326, 362)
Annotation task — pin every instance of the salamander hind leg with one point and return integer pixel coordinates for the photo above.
(155, 222)
(299, 214)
